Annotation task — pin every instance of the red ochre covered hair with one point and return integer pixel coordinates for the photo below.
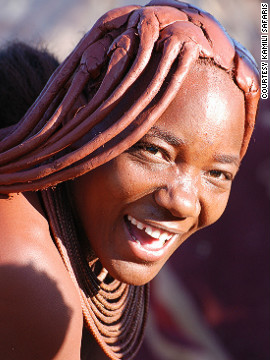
(164, 39)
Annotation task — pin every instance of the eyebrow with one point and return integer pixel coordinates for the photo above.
(227, 159)
(164, 135)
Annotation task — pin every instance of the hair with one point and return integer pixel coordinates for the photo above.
(128, 67)
(24, 71)
(150, 48)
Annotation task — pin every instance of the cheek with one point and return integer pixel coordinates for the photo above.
(213, 207)
(130, 180)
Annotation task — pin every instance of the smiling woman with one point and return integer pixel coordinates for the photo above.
(142, 129)
(144, 203)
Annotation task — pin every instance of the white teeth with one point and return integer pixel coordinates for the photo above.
(155, 233)
(164, 237)
(148, 230)
(139, 225)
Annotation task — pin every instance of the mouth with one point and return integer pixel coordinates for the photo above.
(148, 242)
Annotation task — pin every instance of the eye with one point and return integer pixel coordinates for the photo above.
(220, 175)
(154, 150)
(150, 150)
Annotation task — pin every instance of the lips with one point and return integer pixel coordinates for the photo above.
(148, 242)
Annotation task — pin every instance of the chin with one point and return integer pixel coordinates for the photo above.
(132, 273)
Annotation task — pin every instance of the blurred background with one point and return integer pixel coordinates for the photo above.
(61, 24)
(211, 301)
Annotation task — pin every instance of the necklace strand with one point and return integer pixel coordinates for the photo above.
(114, 312)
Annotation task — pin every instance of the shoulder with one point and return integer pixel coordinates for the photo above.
(39, 308)
(21, 217)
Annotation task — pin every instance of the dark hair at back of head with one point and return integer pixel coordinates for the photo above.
(24, 71)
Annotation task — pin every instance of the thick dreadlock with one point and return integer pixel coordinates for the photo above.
(111, 58)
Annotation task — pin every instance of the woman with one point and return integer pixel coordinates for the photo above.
(132, 146)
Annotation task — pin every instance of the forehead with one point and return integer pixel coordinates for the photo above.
(206, 82)
(208, 107)
(208, 91)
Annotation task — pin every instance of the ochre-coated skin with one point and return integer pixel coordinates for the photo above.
(179, 181)
(40, 309)
(189, 197)
(181, 189)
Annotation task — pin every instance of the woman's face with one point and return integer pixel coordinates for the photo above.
(137, 209)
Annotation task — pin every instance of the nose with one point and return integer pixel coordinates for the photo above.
(180, 198)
